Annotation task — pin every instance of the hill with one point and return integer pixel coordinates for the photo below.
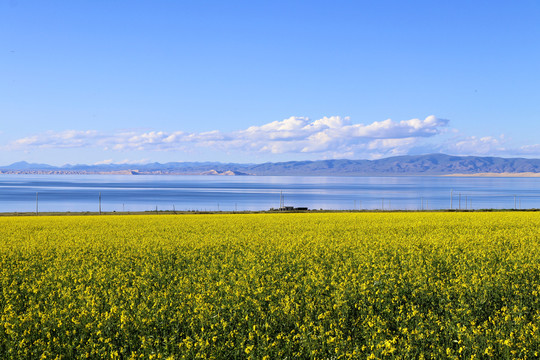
(431, 164)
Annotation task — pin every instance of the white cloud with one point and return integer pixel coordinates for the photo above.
(473, 145)
(122, 162)
(63, 139)
(327, 137)
(104, 162)
(482, 146)
(530, 149)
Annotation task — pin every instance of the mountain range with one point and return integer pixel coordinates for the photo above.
(432, 164)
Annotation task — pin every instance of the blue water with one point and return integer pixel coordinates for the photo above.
(212, 193)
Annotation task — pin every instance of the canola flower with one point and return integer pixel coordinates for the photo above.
(262, 286)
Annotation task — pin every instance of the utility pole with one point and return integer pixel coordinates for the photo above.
(37, 203)
(451, 198)
(515, 203)
(99, 203)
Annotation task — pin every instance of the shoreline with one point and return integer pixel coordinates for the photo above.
(505, 174)
(229, 174)
(248, 212)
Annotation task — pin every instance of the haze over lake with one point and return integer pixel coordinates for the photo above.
(213, 193)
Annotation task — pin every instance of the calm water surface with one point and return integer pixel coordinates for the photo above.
(145, 192)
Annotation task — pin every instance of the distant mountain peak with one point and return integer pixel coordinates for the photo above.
(429, 164)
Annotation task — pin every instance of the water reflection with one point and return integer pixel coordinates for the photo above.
(140, 193)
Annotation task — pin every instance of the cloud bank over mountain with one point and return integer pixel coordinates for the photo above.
(328, 137)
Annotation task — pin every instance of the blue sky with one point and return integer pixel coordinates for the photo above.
(255, 81)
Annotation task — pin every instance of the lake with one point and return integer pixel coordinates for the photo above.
(229, 193)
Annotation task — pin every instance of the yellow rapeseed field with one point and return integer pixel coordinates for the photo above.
(271, 286)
